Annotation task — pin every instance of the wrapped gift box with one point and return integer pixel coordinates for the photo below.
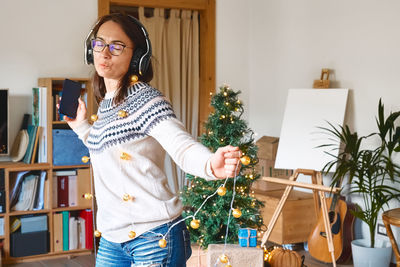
(237, 255)
(198, 257)
(247, 237)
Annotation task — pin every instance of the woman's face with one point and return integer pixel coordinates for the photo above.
(108, 65)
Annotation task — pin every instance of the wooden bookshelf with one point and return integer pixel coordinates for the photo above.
(11, 169)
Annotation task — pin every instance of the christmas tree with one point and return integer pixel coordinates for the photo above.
(224, 127)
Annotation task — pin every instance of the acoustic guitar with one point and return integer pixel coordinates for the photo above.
(317, 240)
(348, 234)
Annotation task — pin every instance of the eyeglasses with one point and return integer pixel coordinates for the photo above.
(115, 49)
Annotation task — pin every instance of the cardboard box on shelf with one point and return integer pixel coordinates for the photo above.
(296, 220)
(267, 147)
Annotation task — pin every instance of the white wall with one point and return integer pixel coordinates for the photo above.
(288, 42)
(232, 47)
(291, 40)
(41, 38)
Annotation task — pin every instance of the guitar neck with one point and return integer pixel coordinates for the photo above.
(335, 196)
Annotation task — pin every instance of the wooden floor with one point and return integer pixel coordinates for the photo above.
(88, 261)
(80, 261)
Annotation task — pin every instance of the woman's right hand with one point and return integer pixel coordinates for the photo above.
(80, 115)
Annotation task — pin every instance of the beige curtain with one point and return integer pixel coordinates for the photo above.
(175, 43)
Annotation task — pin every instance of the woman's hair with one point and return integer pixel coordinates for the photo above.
(133, 31)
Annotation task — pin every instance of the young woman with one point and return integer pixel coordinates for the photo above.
(133, 128)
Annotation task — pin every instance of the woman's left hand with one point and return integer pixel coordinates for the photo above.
(224, 162)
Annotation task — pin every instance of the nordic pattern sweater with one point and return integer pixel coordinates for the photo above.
(127, 145)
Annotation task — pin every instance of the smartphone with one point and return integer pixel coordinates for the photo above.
(69, 98)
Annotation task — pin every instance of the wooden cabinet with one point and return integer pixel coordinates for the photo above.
(9, 172)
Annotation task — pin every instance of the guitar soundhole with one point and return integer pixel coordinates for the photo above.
(331, 216)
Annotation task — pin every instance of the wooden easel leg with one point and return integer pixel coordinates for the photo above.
(315, 194)
(278, 210)
(326, 221)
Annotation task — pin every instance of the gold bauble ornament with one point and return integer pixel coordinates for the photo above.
(134, 79)
(122, 113)
(125, 156)
(94, 117)
(228, 265)
(97, 233)
(87, 196)
(236, 213)
(245, 160)
(132, 234)
(195, 224)
(221, 191)
(223, 258)
(85, 159)
(162, 243)
(127, 197)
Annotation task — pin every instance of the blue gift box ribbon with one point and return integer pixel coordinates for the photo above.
(247, 237)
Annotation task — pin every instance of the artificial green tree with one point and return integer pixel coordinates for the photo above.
(224, 127)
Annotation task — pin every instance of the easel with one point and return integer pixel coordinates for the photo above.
(318, 190)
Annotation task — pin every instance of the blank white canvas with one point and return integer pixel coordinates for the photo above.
(306, 110)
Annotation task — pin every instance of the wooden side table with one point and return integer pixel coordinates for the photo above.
(392, 217)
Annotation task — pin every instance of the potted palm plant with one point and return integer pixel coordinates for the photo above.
(371, 172)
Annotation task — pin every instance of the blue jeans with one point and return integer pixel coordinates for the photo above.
(145, 251)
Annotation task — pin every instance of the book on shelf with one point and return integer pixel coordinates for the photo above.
(2, 201)
(65, 172)
(65, 227)
(58, 231)
(81, 233)
(36, 102)
(83, 187)
(16, 187)
(76, 233)
(72, 191)
(87, 215)
(56, 101)
(39, 118)
(62, 191)
(73, 233)
(35, 145)
(39, 198)
(32, 131)
(1, 226)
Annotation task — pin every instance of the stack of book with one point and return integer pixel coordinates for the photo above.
(70, 186)
(28, 191)
(34, 132)
(73, 232)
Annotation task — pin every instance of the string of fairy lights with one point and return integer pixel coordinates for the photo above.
(221, 191)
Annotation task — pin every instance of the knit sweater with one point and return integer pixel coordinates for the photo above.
(127, 152)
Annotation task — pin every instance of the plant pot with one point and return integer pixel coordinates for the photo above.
(365, 256)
